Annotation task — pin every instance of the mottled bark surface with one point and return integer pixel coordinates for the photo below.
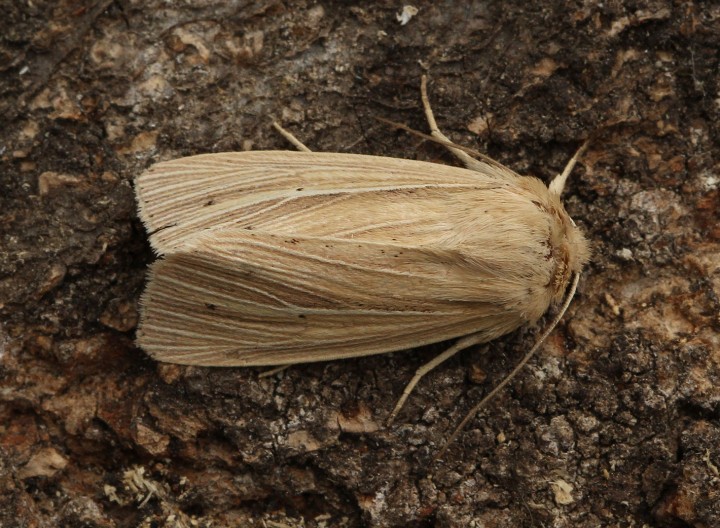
(615, 423)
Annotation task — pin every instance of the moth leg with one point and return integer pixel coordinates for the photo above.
(461, 344)
(292, 139)
(273, 371)
(558, 183)
(464, 157)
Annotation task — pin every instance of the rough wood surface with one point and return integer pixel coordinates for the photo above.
(615, 423)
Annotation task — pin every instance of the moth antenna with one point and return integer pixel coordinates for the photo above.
(471, 414)
(290, 137)
(557, 186)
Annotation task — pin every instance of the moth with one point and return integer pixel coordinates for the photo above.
(272, 258)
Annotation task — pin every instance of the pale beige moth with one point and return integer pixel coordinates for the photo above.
(277, 257)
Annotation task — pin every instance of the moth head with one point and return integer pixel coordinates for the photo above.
(572, 252)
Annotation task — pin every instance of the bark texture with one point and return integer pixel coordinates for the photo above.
(615, 423)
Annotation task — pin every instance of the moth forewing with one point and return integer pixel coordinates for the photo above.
(181, 198)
